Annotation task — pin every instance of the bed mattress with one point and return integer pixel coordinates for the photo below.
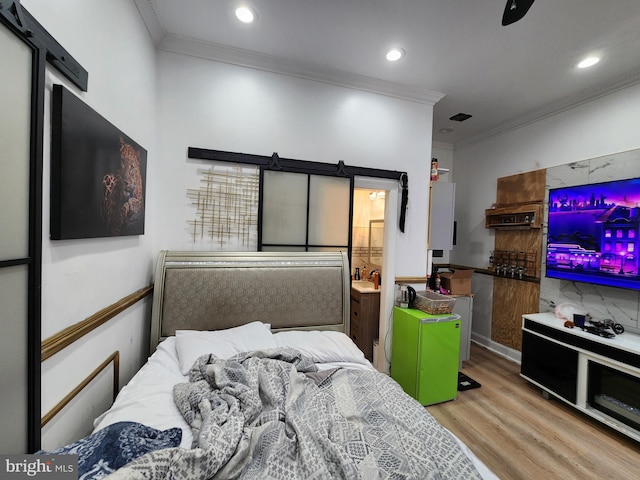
(149, 397)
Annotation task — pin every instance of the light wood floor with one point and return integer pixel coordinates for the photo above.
(520, 435)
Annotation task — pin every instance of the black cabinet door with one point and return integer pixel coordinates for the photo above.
(551, 365)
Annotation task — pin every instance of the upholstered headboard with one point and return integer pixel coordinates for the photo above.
(217, 290)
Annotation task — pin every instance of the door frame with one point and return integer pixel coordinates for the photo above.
(387, 286)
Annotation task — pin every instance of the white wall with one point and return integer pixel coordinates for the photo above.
(218, 106)
(225, 107)
(601, 127)
(80, 277)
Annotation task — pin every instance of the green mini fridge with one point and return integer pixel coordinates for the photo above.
(424, 354)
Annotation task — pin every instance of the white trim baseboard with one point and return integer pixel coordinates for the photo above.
(502, 350)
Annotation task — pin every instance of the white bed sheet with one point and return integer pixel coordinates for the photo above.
(148, 398)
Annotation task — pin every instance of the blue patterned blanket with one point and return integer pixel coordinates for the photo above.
(106, 450)
(271, 415)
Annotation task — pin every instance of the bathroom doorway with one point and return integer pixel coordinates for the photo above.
(367, 235)
(382, 212)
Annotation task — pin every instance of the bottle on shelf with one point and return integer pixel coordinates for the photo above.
(431, 280)
(434, 170)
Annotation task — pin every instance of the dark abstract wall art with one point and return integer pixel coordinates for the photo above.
(97, 174)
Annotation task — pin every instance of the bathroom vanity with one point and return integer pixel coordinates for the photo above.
(365, 316)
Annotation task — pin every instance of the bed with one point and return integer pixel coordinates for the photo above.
(252, 376)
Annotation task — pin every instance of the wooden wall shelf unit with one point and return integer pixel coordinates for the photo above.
(517, 197)
(515, 216)
(482, 271)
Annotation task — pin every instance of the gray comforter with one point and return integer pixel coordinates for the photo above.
(272, 415)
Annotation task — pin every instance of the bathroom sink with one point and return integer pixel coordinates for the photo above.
(362, 285)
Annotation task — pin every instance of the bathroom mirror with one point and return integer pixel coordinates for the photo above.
(376, 242)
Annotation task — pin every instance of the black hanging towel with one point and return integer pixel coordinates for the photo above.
(404, 183)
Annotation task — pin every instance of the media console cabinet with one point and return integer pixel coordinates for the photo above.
(596, 375)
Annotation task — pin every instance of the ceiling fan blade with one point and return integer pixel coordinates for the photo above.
(515, 10)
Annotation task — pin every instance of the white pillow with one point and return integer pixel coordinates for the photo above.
(192, 344)
(323, 346)
(186, 332)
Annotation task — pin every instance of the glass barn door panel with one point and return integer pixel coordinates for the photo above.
(15, 134)
(13, 358)
(284, 208)
(17, 119)
(329, 200)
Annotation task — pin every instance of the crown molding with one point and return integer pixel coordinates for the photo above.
(442, 145)
(151, 20)
(586, 96)
(307, 71)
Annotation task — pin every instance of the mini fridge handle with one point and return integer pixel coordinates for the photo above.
(448, 318)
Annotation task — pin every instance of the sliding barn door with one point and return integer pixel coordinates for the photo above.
(15, 135)
(20, 231)
(305, 212)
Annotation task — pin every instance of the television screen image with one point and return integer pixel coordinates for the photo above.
(594, 233)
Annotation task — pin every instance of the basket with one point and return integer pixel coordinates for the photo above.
(434, 303)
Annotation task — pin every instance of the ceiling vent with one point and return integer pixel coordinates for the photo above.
(460, 117)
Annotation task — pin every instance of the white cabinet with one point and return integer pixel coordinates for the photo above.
(464, 308)
(598, 376)
(441, 210)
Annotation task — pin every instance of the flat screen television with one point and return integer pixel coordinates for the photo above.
(594, 233)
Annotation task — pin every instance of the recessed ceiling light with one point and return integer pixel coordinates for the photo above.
(588, 62)
(245, 14)
(395, 54)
